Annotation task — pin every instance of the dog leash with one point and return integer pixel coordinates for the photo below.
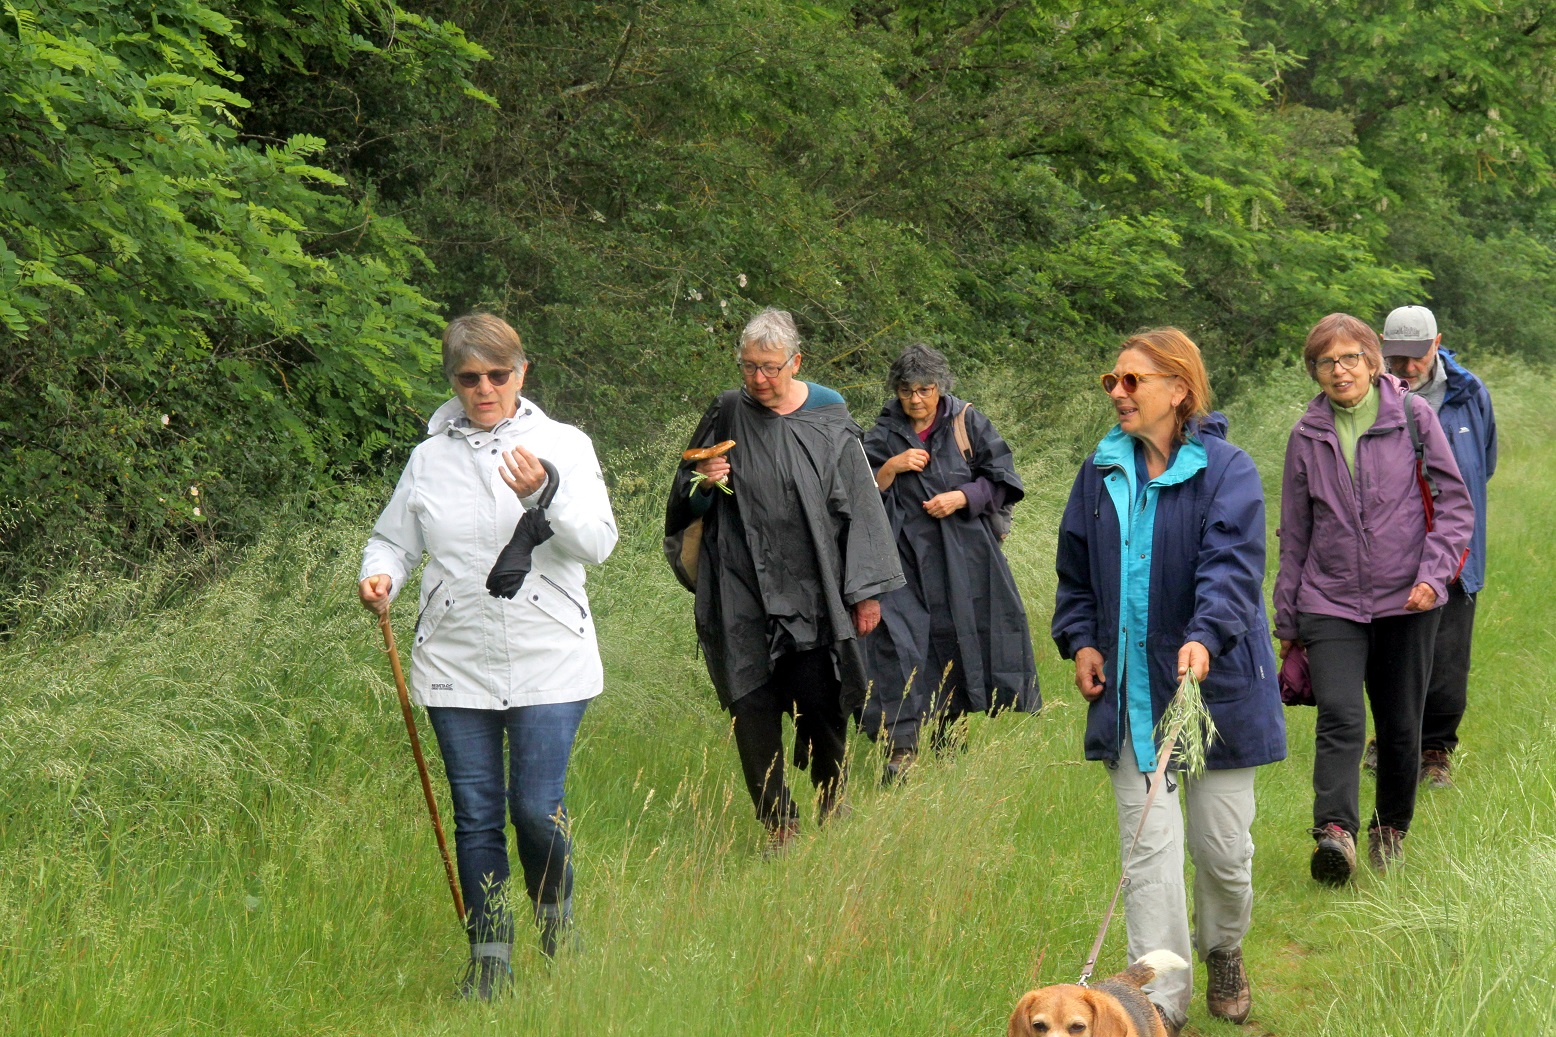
(1164, 757)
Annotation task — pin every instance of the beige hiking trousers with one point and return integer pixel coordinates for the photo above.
(1211, 816)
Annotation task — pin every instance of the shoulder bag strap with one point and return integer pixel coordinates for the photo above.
(959, 430)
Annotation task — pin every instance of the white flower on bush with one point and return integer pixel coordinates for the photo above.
(694, 295)
(165, 419)
(740, 279)
(197, 513)
(194, 491)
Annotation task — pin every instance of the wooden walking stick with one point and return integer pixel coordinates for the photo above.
(421, 761)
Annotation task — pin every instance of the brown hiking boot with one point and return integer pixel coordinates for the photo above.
(1226, 991)
(1385, 847)
(1434, 768)
(1334, 858)
(897, 766)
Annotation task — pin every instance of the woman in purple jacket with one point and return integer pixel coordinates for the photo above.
(1362, 574)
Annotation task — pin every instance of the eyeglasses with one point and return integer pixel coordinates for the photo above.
(1345, 361)
(923, 392)
(749, 369)
(1129, 380)
(471, 379)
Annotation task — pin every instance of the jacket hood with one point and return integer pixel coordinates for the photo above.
(449, 416)
(893, 416)
(1461, 384)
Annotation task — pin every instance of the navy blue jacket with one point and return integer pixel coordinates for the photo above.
(1207, 585)
(1471, 427)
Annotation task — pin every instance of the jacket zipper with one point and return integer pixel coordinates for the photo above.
(433, 594)
(581, 611)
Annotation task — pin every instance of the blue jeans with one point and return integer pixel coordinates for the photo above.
(540, 740)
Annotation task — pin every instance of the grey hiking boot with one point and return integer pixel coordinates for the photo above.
(557, 931)
(779, 838)
(1334, 858)
(1435, 764)
(1370, 756)
(489, 975)
(1226, 991)
(1385, 847)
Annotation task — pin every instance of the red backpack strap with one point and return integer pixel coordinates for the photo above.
(1424, 480)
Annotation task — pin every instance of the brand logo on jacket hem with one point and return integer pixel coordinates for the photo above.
(442, 687)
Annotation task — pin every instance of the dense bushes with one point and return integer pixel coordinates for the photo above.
(250, 216)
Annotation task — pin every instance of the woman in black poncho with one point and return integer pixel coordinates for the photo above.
(955, 639)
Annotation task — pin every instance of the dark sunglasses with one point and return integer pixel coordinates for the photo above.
(471, 379)
(1129, 380)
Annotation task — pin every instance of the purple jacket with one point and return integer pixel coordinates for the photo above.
(1354, 548)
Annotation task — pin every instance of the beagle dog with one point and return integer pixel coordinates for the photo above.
(1113, 1008)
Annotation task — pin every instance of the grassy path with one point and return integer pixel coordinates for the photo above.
(209, 823)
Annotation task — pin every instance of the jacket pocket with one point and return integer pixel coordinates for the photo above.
(551, 598)
(439, 600)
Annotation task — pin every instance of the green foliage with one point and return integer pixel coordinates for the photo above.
(194, 318)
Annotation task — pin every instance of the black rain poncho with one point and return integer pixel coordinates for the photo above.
(958, 580)
(801, 540)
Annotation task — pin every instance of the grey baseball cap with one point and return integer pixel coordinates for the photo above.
(1409, 331)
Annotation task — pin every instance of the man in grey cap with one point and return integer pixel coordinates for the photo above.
(1413, 350)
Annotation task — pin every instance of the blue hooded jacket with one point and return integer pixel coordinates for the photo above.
(1471, 428)
(1206, 583)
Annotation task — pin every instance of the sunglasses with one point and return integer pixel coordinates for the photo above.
(471, 379)
(1129, 380)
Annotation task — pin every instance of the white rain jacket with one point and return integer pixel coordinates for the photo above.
(471, 649)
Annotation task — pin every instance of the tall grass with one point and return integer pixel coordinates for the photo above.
(209, 821)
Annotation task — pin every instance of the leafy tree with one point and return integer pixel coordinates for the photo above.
(194, 319)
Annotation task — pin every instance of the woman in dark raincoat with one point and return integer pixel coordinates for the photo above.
(955, 639)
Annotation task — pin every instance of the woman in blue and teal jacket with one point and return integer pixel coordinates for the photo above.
(1161, 569)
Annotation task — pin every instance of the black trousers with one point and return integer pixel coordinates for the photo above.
(1448, 691)
(1392, 658)
(804, 685)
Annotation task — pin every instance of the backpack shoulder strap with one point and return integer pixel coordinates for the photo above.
(959, 430)
(1418, 446)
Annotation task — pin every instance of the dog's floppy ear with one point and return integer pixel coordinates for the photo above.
(1021, 1018)
(1108, 1018)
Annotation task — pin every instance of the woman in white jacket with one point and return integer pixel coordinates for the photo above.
(486, 666)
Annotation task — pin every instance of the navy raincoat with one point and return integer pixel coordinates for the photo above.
(1471, 428)
(1206, 567)
(952, 564)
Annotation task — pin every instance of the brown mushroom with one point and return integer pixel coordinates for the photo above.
(707, 452)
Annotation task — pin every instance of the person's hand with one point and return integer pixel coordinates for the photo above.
(714, 470)
(522, 472)
(1088, 673)
(943, 504)
(1422, 597)
(867, 616)
(374, 592)
(907, 461)
(1285, 648)
(1196, 656)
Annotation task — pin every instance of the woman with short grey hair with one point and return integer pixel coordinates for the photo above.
(955, 639)
(771, 329)
(491, 668)
(481, 337)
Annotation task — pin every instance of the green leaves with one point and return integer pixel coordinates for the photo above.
(153, 262)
